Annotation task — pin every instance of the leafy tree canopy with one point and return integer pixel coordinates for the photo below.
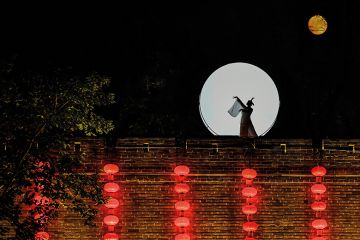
(39, 114)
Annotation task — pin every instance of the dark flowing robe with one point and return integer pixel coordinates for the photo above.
(246, 127)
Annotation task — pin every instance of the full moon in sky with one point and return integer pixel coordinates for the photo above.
(245, 81)
(317, 24)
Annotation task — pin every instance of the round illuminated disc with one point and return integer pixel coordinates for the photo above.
(245, 81)
(317, 24)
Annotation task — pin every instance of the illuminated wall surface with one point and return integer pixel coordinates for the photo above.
(147, 196)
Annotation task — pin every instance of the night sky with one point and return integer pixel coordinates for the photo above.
(159, 57)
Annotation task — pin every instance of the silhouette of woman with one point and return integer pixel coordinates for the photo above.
(246, 127)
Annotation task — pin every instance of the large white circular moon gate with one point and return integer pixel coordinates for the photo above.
(245, 81)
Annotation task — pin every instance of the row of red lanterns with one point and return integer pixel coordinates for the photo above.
(182, 205)
(319, 223)
(41, 201)
(249, 208)
(111, 220)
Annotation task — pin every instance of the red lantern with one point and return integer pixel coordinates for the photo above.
(182, 222)
(112, 203)
(42, 236)
(182, 188)
(250, 226)
(318, 188)
(182, 205)
(182, 170)
(182, 236)
(249, 173)
(249, 192)
(319, 238)
(318, 171)
(111, 187)
(249, 209)
(318, 206)
(111, 169)
(111, 221)
(249, 238)
(111, 236)
(319, 224)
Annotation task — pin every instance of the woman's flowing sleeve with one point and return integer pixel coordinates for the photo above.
(235, 109)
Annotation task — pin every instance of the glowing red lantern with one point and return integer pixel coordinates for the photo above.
(319, 238)
(249, 192)
(182, 236)
(112, 203)
(182, 170)
(111, 236)
(249, 238)
(319, 224)
(111, 187)
(250, 226)
(318, 188)
(111, 221)
(182, 222)
(182, 205)
(318, 171)
(42, 236)
(249, 173)
(111, 169)
(249, 209)
(182, 188)
(318, 206)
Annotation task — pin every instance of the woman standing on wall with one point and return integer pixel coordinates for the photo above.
(246, 127)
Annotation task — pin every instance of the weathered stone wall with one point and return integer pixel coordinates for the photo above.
(284, 179)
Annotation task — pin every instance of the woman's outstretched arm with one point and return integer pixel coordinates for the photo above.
(241, 103)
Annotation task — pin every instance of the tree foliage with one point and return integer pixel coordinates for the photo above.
(40, 113)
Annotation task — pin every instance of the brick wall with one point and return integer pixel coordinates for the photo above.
(147, 180)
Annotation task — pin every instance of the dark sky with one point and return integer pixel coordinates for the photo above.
(159, 57)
